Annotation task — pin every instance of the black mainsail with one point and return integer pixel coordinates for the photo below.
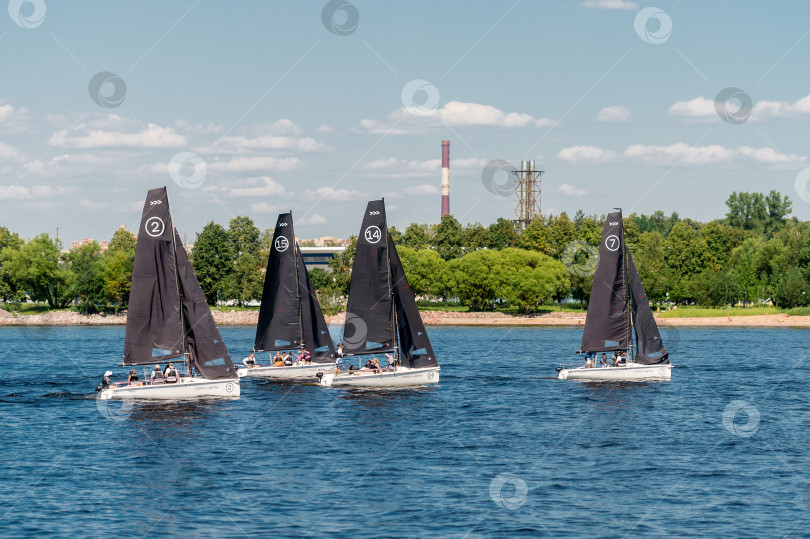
(154, 330)
(168, 316)
(290, 315)
(649, 346)
(381, 299)
(607, 324)
(369, 324)
(279, 326)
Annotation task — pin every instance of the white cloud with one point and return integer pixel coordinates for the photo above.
(454, 113)
(610, 4)
(8, 152)
(13, 119)
(91, 205)
(313, 219)
(265, 142)
(332, 194)
(570, 191)
(326, 129)
(698, 108)
(587, 155)
(19, 192)
(257, 187)
(240, 164)
(115, 132)
(684, 154)
(265, 207)
(703, 109)
(400, 168)
(616, 113)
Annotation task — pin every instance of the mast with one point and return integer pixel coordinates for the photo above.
(395, 325)
(627, 300)
(179, 286)
(297, 286)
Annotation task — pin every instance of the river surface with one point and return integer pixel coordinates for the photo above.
(499, 448)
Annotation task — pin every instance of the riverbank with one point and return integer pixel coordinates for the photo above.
(431, 318)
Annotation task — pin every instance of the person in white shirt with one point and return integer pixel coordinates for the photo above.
(249, 361)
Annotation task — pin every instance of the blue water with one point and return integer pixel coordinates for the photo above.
(499, 448)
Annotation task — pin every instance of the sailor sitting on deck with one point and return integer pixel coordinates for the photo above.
(157, 375)
(133, 376)
(392, 362)
(288, 359)
(249, 361)
(604, 360)
(587, 361)
(278, 360)
(171, 374)
(304, 356)
(106, 381)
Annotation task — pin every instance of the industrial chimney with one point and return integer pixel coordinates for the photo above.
(445, 177)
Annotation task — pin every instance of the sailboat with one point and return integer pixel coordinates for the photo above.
(381, 315)
(290, 317)
(168, 319)
(617, 309)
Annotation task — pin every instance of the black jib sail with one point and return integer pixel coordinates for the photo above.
(313, 327)
(607, 324)
(207, 351)
(279, 326)
(649, 347)
(154, 332)
(414, 344)
(369, 326)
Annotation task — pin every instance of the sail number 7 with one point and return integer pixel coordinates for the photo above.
(612, 242)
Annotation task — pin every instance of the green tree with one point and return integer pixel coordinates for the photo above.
(212, 259)
(88, 282)
(117, 277)
(473, 279)
(791, 290)
(535, 237)
(475, 237)
(449, 238)
(561, 232)
(415, 237)
(122, 240)
(244, 237)
(394, 234)
(424, 270)
(38, 269)
(529, 278)
(502, 234)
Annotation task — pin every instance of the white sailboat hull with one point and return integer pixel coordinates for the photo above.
(293, 372)
(402, 377)
(633, 371)
(187, 388)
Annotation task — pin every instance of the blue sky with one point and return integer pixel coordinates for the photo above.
(252, 108)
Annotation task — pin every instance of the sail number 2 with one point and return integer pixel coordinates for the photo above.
(154, 226)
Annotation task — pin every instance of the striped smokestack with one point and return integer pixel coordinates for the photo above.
(445, 177)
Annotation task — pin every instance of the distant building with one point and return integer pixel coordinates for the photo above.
(319, 257)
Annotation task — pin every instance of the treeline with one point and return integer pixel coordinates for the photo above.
(754, 254)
